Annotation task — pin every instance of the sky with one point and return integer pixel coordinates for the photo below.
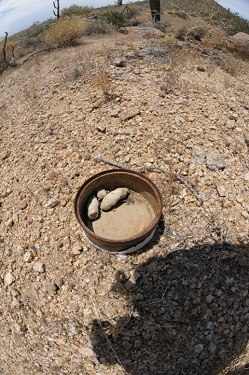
(17, 15)
(239, 6)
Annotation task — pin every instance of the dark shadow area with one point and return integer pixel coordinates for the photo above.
(191, 314)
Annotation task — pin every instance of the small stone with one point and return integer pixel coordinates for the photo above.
(39, 267)
(51, 175)
(199, 348)
(87, 156)
(178, 314)
(209, 298)
(116, 149)
(22, 205)
(130, 284)
(101, 193)
(77, 248)
(28, 256)
(93, 208)
(86, 352)
(138, 343)
(212, 347)
(52, 203)
(135, 275)
(221, 191)
(4, 154)
(15, 303)
(239, 198)
(50, 287)
(215, 161)
(128, 114)
(75, 173)
(113, 198)
(9, 223)
(115, 112)
(244, 214)
(201, 68)
(133, 162)
(246, 176)
(20, 328)
(9, 279)
(101, 128)
(118, 61)
(198, 156)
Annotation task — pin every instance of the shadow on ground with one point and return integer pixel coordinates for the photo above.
(191, 314)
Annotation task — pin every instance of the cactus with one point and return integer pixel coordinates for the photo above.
(57, 14)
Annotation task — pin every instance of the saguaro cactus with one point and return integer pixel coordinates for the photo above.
(57, 14)
(155, 10)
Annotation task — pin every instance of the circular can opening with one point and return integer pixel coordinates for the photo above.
(131, 223)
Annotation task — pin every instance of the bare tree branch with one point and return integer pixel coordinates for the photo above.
(5, 60)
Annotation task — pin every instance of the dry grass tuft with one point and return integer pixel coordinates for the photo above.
(64, 32)
(102, 80)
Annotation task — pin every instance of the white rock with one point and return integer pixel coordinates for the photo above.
(101, 193)
(93, 208)
(113, 197)
(52, 203)
(86, 352)
(28, 257)
(38, 267)
(9, 279)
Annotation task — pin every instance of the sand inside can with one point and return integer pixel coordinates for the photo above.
(126, 219)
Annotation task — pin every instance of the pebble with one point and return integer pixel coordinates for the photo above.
(246, 176)
(39, 267)
(128, 114)
(209, 298)
(93, 208)
(118, 61)
(4, 154)
(86, 352)
(199, 156)
(9, 279)
(52, 203)
(28, 256)
(77, 249)
(22, 205)
(115, 112)
(215, 161)
(113, 198)
(199, 348)
(221, 191)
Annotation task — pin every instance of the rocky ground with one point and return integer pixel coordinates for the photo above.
(180, 305)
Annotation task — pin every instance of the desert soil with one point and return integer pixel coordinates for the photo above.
(180, 305)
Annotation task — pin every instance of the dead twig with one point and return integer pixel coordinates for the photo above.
(49, 49)
(113, 163)
(185, 181)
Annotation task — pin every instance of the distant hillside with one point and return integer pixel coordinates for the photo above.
(212, 22)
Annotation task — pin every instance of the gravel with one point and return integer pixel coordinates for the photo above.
(178, 306)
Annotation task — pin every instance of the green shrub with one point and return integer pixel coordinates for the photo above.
(64, 32)
(181, 14)
(98, 27)
(161, 25)
(116, 19)
(76, 10)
